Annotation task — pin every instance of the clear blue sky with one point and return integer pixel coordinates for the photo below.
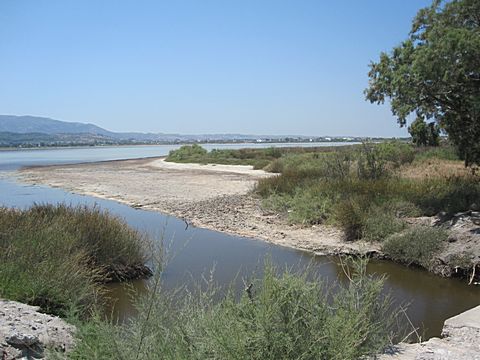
(249, 66)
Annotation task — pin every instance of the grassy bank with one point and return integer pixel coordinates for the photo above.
(370, 191)
(282, 316)
(58, 256)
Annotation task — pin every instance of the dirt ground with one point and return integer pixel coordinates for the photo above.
(217, 197)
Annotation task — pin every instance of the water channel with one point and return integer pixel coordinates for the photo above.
(196, 251)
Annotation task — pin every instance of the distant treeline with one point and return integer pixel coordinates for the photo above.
(35, 140)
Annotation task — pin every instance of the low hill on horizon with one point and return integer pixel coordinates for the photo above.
(36, 124)
(16, 130)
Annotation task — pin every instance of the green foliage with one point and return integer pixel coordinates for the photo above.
(349, 215)
(451, 195)
(272, 159)
(463, 260)
(276, 166)
(370, 164)
(258, 158)
(186, 152)
(396, 153)
(322, 187)
(281, 316)
(435, 73)
(416, 245)
(380, 222)
(441, 152)
(56, 257)
(403, 208)
(424, 134)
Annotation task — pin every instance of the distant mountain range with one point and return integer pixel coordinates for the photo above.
(40, 131)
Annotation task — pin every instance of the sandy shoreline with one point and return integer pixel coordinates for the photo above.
(216, 197)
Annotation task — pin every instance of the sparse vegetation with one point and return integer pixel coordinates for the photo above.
(366, 190)
(58, 256)
(282, 316)
(416, 245)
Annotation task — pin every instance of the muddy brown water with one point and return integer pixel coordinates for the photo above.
(195, 252)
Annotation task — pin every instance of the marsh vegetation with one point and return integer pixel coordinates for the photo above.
(59, 257)
(372, 191)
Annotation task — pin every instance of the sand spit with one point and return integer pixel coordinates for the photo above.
(216, 197)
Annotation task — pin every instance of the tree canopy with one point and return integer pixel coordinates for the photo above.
(435, 74)
(424, 134)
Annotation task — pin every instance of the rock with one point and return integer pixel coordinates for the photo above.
(22, 340)
(460, 341)
(26, 333)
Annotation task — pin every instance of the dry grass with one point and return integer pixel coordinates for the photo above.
(434, 168)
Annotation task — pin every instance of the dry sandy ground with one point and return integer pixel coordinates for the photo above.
(216, 197)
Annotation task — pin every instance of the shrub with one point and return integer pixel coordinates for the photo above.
(311, 205)
(451, 195)
(349, 215)
(282, 316)
(370, 164)
(276, 166)
(379, 223)
(402, 208)
(417, 245)
(445, 152)
(260, 164)
(186, 152)
(337, 165)
(396, 153)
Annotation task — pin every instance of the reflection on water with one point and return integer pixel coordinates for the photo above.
(195, 252)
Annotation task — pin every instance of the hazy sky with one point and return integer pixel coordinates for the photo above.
(257, 67)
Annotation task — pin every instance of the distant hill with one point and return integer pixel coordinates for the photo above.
(35, 124)
(43, 125)
(35, 131)
(9, 139)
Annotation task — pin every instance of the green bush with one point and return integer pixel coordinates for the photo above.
(396, 153)
(186, 152)
(379, 223)
(58, 256)
(276, 166)
(370, 164)
(445, 152)
(417, 245)
(402, 208)
(310, 206)
(349, 216)
(282, 316)
(451, 195)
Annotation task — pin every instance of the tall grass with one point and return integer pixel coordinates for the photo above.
(58, 256)
(284, 315)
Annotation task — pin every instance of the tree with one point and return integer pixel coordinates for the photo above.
(435, 74)
(424, 134)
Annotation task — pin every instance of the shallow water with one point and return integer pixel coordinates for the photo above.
(196, 251)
